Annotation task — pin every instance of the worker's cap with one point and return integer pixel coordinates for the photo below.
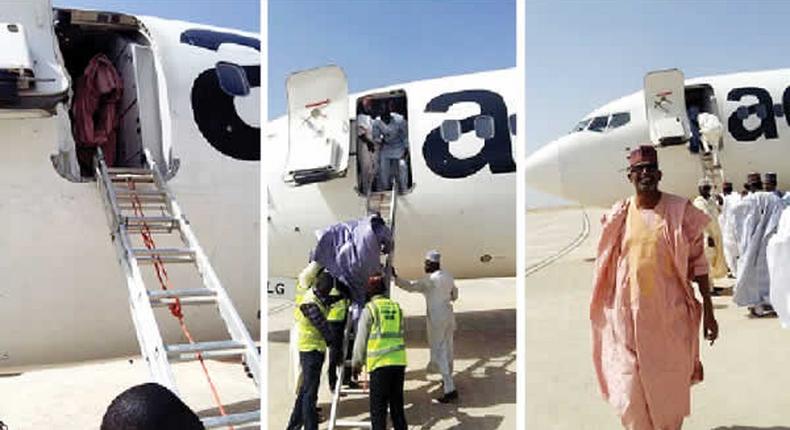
(753, 178)
(433, 256)
(645, 154)
(704, 182)
(770, 177)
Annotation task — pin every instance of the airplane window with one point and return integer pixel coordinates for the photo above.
(232, 79)
(619, 119)
(598, 123)
(512, 124)
(581, 125)
(762, 112)
(450, 130)
(484, 127)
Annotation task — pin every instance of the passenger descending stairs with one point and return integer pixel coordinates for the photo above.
(126, 193)
(382, 202)
(712, 169)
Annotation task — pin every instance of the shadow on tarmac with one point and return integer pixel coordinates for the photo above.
(487, 337)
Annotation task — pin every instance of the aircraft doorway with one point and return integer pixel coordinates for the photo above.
(700, 101)
(382, 142)
(108, 59)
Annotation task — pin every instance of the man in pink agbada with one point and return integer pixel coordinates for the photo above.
(645, 317)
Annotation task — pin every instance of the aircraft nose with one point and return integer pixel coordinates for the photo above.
(543, 170)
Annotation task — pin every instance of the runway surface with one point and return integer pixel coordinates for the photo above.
(747, 371)
(76, 397)
(485, 362)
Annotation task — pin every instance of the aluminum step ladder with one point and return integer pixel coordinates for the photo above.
(126, 192)
(377, 203)
(712, 169)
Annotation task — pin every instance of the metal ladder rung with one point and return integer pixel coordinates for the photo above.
(232, 419)
(165, 255)
(165, 223)
(128, 170)
(182, 293)
(353, 391)
(132, 178)
(351, 423)
(203, 347)
(186, 296)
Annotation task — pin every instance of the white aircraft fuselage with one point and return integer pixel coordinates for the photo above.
(463, 197)
(63, 297)
(589, 166)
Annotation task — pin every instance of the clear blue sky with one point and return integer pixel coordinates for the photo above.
(380, 43)
(237, 14)
(582, 54)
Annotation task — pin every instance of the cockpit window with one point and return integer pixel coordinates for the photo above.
(581, 125)
(619, 119)
(598, 123)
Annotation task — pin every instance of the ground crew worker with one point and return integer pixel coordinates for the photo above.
(381, 345)
(314, 335)
(440, 291)
(304, 282)
(337, 323)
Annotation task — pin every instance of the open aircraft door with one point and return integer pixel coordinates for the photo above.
(665, 104)
(318, 125)
(32, 77)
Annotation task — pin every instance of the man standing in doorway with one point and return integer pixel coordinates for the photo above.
(391, 133)
(440, 291)
(645, 317)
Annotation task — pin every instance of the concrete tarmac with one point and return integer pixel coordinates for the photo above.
(747, 371)
(76, 397)
(485, 362)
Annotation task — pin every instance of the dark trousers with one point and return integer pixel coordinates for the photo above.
(304, 411)
(386, 389)
(336, 355)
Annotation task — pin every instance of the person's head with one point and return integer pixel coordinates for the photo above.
(753, 182)
(726, 188)
(375, 285)
(770, 181)
(367, 105)
(704, 187)
(149, 407)
(386, 111)
(324, 283)
(643, 170)
(432, 261)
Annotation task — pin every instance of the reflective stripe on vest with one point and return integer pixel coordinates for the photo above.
(310, 339)
(386, 345)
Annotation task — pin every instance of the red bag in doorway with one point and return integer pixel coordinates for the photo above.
(95, 111)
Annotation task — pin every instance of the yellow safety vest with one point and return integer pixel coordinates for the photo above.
(338, 310)
(386, 345)
(310, 339)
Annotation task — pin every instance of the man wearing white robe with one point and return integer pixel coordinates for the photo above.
(730, 200)
(714, 251)
(755, 220)
(440, 291)
(778, 254)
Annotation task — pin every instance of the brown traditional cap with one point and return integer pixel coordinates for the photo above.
(753, 178)
(770, 177)
(645, 154)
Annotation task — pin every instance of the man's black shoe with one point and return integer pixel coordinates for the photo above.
(448, 397)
